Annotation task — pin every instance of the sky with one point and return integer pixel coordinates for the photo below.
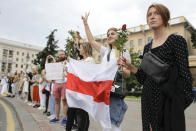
(31, 21)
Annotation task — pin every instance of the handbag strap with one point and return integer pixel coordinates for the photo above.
(108, 55)
(115, 78)
(150, 46)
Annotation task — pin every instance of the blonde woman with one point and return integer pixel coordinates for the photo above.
(117, 105)
(82, 116)
(20, 86)
(15, 84)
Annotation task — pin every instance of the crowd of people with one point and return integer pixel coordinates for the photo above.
(36, 91)
(40, 93)
(32, 88)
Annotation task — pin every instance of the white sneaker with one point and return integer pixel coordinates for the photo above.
(30, 103)
(41, 108)
(33, 104)
(25, 101)
(51, 117)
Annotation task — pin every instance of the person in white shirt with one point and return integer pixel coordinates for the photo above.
(80, 115)
(4, 84)
(117, 105)
(26, 87)
(42, 84)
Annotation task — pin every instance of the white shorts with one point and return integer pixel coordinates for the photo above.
(26, 87)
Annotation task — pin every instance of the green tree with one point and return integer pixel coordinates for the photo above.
(50, 49)
(193, 38)
(132, 81)
(69, 47)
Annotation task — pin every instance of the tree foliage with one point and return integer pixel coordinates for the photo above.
(71, 50)
(132, 81)
(50, 49)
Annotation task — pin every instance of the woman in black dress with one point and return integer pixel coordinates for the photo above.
(172, 49)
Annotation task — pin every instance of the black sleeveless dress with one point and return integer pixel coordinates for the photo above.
(174, 52)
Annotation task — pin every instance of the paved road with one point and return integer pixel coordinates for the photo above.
(8, 119)
(34, 120)
(133, 122)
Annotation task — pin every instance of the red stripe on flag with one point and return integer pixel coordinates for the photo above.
(100, 90)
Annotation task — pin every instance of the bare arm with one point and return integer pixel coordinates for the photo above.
(15, 79)
(49, 57)
(126, 73)
(126, 64)
(41, 80)
(89, 34)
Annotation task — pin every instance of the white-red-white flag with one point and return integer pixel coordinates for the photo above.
(88, 87)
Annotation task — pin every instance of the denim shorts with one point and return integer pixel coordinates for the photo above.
(117, 110)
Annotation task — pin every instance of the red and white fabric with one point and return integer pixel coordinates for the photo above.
(88, 87)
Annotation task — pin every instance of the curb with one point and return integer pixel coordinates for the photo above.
(17, 116)
(22, 116)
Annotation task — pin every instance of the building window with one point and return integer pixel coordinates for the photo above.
(99, 58)
(131, 43)
(27, 66)
(32, 55)
(27, 60)
(3, 67)
(10, 53)
(140, 42)
(9, 67)
(22, 59)
(139, 52)
(16, 59)
(149, 39)
(22, 53)
(5, 53)
(16, 65)
(21, 66)
(18, 53)
(28, 57)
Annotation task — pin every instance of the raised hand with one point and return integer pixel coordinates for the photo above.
(89, 34)
(85, 18)
(50, 57)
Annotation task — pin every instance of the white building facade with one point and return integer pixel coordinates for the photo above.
(16, 56)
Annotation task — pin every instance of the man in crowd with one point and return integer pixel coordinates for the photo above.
(59, 92)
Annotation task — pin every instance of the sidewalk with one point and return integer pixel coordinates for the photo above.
(31, 119)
